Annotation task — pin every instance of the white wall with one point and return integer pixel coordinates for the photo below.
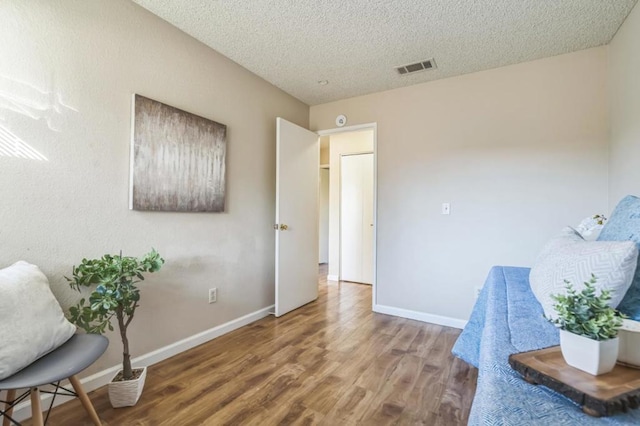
(339, 145)
(67, 72)
(518, 151)
(624, 83)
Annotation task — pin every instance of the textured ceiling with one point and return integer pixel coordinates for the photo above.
(355, 44)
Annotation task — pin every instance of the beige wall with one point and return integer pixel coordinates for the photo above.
(324, 150)
(324, 200)
(324, 216)
(67, 72)
(624, 83)
(518, 151)
(339, 145)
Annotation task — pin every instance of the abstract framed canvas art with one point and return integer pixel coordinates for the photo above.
(177, 159)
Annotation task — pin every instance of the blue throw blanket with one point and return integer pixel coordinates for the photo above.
(508, 319)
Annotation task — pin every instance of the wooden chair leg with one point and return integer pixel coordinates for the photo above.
(36, 411)
(8, 408)
(86, 402)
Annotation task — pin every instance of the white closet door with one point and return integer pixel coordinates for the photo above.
(356, 218)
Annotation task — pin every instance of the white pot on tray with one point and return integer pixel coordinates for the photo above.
(592, 356)
(629, 335)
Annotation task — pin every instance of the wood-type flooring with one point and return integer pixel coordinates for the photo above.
(332, 362)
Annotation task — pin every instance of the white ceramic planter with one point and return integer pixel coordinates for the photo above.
(127, 393)
(593, 356)
(629, 335)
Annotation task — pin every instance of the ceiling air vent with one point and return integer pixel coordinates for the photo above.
(417, 67)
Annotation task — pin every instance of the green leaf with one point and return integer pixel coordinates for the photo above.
(586, 314)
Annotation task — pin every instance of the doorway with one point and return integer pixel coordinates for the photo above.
(343, 143)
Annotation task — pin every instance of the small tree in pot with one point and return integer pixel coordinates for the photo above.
(115, 294)
(588, 328)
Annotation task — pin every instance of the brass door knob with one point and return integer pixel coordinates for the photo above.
(283, 227)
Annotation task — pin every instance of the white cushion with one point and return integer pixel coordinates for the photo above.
(570, 257)
(32, 323)
(591, 227)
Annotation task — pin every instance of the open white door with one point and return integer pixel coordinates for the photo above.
(297, 183)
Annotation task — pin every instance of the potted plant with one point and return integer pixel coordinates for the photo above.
(115, 294)
(588, 328)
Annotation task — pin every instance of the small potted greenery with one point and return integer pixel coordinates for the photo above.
(113, 279)
(588, 328)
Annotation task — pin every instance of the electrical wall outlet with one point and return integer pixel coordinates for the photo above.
(476, 292)
(213, 295)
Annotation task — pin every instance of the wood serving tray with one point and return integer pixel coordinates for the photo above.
(602, 395)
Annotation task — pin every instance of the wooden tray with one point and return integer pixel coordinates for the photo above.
(602, 395)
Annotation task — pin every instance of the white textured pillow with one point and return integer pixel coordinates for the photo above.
(570, 257)
(32, 323)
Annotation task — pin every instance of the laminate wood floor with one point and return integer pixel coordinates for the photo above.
(331, 362)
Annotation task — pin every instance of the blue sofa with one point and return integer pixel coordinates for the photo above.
(507, 319)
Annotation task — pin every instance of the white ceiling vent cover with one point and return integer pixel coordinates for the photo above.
(427, 64)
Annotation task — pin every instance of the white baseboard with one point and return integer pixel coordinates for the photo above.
(332, 278)
(101, 378)
(420, 316)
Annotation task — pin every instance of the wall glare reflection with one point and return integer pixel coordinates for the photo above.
(20, 98)
(30, 101)
(13, 146)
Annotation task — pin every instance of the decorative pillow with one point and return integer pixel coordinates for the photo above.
(591, 227)
(624, 225)
(570, 257)
(32, 323)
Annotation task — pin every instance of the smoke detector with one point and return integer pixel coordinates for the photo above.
(427, 64)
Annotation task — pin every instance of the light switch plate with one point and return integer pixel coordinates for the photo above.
(446, 208)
